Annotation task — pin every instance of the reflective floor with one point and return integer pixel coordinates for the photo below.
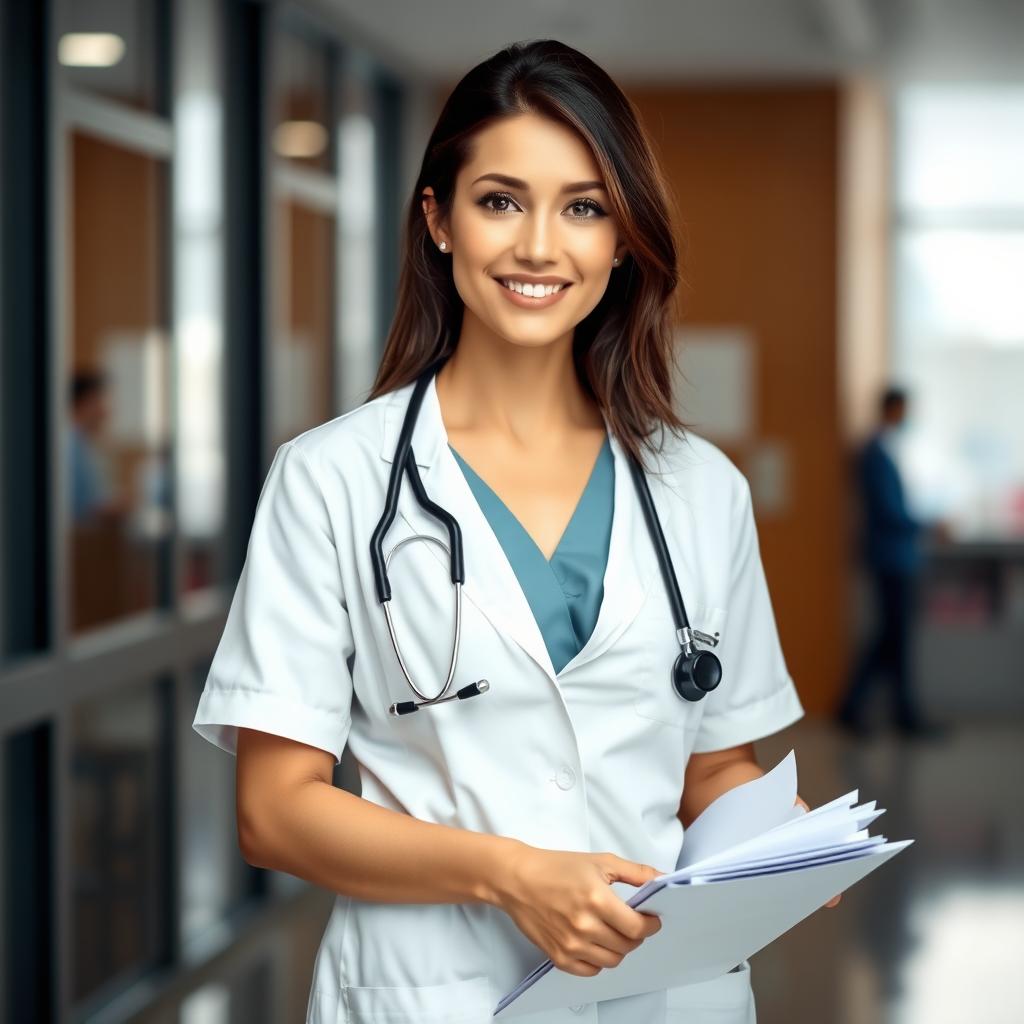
(936, 935)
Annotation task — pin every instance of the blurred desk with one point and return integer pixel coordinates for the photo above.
(970, 641)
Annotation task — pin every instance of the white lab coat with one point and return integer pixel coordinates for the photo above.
(591, 758)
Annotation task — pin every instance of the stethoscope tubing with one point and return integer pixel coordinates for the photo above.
(404, 463)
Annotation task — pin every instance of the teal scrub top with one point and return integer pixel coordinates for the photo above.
(564, 594)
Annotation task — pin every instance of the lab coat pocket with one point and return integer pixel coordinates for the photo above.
(656, 697)
(727, 999)
(470, 1001)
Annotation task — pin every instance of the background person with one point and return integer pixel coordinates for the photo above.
(891, 551)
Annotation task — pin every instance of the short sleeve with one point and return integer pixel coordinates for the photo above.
(283, 662)
(756, 696)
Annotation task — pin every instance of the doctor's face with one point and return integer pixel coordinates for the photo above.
(529, 204)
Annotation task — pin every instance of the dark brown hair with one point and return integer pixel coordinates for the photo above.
(623, 347)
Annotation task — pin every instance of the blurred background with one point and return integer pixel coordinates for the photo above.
(200, 206)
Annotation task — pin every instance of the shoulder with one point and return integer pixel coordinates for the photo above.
(347, 445)
(699, 471)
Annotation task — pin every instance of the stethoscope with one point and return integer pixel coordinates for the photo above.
(695, 672)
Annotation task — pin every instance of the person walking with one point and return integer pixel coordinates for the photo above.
(891, 550)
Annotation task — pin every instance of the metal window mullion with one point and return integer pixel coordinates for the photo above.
(269, 250)
(138, 131)
(316, 189)
(58, 344)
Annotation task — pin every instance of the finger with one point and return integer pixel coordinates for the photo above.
(629, 871)
(627, 921)
(578, 967)
(604, 935)
(599, 956)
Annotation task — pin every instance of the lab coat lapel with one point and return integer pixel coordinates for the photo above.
(491, 583)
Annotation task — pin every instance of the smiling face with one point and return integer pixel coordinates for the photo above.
(528, 204)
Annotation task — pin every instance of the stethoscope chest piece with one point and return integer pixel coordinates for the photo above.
(695, 673)
(694, 677)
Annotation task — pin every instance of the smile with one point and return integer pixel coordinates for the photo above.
(547, 295)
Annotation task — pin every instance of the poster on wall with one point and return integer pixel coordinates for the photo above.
(714, 384)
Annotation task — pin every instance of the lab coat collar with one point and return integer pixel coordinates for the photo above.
(429, 433)
(491, 583)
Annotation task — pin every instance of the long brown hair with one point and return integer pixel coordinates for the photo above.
(623, 347)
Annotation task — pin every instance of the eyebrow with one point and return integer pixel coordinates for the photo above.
(573, 186)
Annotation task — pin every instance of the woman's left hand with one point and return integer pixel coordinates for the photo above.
(835, 899)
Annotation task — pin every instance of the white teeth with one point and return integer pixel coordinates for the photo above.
(535, 291)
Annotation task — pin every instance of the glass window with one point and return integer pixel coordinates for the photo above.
(201, 470)
(959, 308)
(215, 878)
(302, 366)
(960, 147)
(118, 835)
(111, 47)
(118, 444)
(961, 287)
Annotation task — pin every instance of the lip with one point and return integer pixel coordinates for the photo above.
(526, 302)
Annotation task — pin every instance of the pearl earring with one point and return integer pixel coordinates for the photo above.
(615, 262)
(443, 246)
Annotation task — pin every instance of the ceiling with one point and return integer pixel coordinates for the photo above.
(669, 40)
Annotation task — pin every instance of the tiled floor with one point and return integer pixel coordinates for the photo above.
(935, 936)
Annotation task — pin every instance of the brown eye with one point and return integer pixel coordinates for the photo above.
(497, 197)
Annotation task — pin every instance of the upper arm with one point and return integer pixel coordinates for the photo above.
(701, 765)
(756, 695)
(267, 767)
(281, 675)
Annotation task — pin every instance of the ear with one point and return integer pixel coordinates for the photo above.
(432, 214)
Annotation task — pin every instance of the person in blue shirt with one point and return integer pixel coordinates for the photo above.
(891, 550)
(91, 490)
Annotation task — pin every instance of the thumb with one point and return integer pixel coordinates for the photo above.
(630, 871)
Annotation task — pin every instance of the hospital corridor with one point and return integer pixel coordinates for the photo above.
(208, 233)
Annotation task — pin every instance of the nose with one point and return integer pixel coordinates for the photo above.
(537, 239)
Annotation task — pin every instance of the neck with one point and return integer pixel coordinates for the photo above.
(530, 396)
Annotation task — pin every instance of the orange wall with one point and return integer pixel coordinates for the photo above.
(754, 170)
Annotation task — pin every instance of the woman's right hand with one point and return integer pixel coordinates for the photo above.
(562, 902)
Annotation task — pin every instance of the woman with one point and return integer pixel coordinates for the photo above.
(489, 829)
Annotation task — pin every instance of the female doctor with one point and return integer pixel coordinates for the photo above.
(538, 273)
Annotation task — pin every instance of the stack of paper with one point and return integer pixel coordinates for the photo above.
(751, 866)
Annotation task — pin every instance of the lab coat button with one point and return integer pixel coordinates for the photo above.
(566, 778)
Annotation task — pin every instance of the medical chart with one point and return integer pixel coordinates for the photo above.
(752, 865)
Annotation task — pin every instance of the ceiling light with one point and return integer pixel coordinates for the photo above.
(90, 49)
(300, 138)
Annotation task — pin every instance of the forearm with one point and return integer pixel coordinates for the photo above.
(708, 787)
(349, 845)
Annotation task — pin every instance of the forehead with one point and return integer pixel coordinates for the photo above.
(541, 151)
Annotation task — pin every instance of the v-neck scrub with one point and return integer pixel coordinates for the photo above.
(564, 593)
